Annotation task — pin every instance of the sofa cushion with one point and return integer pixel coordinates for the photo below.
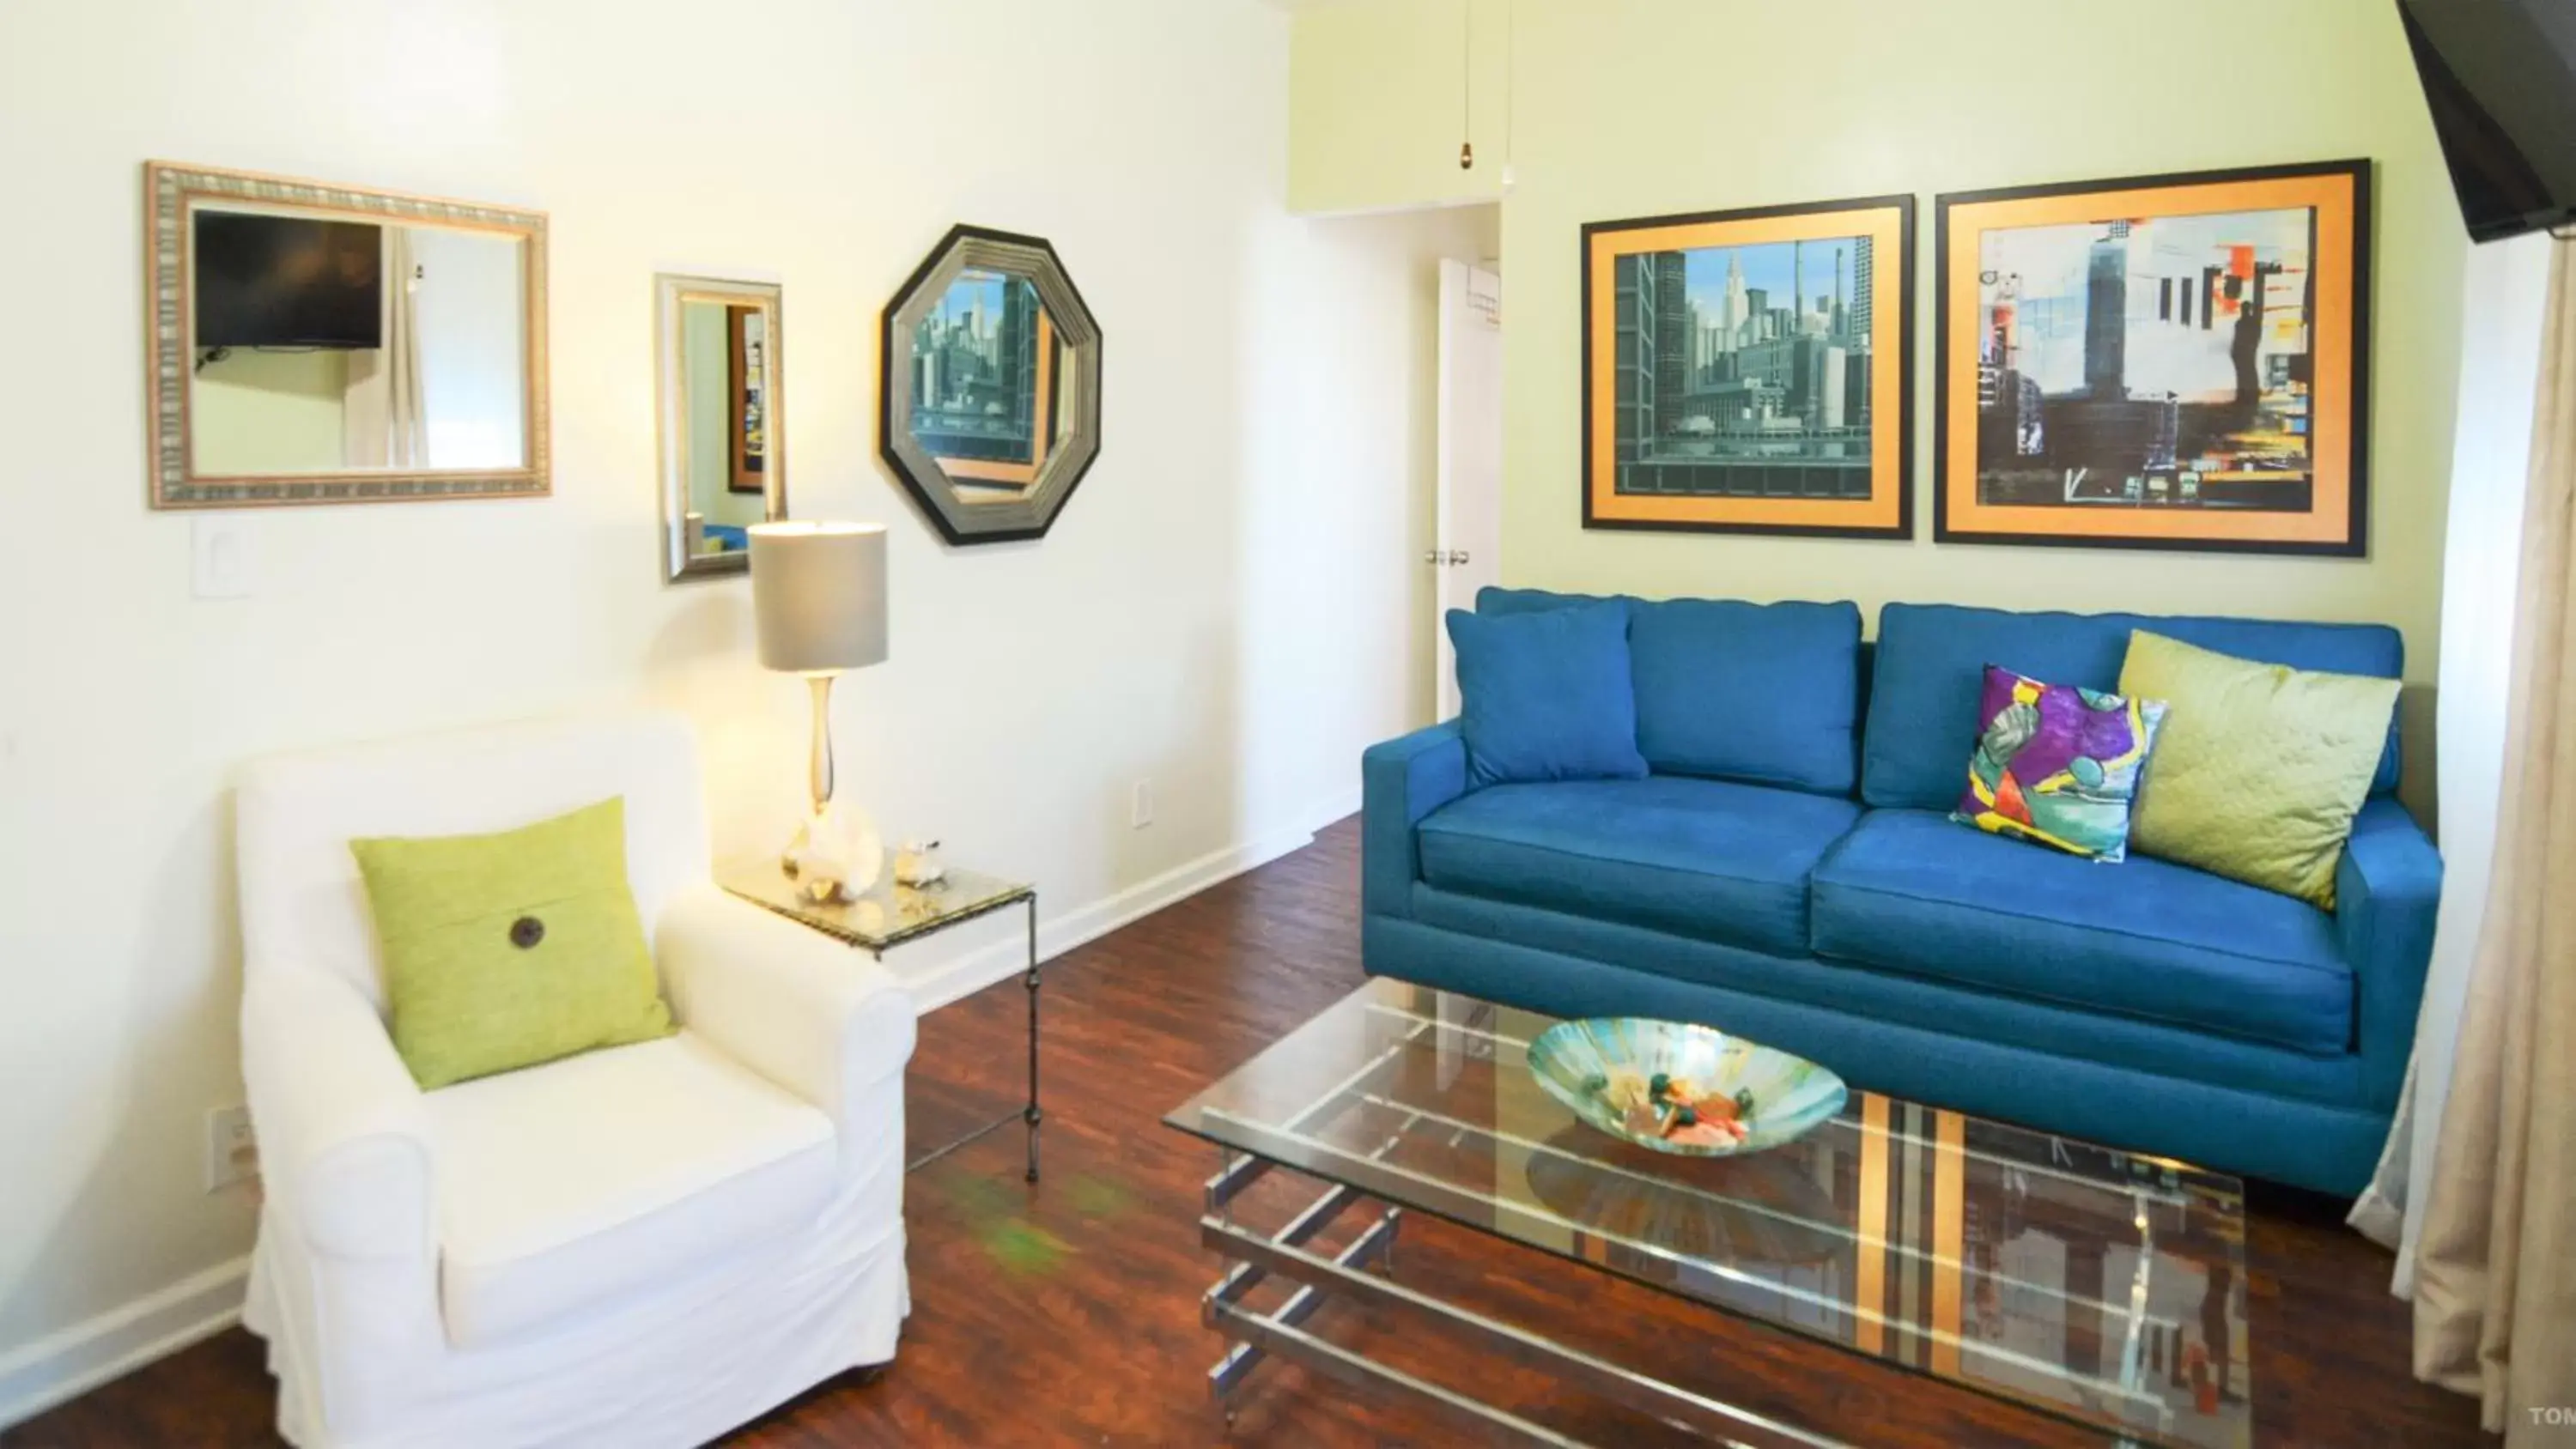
(1909, 891)
(570, 1183)
(2057, 765)
(1704, 858)
(1547, 696)
(1931, 663)
(1495, 599)
(2265, 768)
(1764, 693)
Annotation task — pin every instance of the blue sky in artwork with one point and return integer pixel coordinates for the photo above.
(1767, 267)
(969, 288)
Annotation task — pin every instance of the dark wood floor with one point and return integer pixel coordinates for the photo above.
(1068, 1313)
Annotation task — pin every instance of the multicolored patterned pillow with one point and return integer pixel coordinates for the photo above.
(2057, 764)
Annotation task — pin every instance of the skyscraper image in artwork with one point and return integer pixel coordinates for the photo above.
(2161, 362)
(975, 371)
(1745, 371)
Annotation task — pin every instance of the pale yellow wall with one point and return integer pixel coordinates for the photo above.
(1630, 108)
(269, 412)
(1378, 99)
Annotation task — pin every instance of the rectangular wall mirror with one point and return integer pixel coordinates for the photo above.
(326, 344)
(724, 465)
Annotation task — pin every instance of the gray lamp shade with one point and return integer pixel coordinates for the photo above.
(819, 591)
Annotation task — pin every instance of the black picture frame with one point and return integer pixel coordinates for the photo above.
(2354, 538)
(1034, 511)
(1898, 369)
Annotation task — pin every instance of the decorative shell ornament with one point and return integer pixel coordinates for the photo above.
(836, 855)
(916, 864)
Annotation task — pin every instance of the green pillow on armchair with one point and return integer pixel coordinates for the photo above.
(509, 949)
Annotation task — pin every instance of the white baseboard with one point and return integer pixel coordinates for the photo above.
(70, 1363)
(1339, 808)
(967, 974)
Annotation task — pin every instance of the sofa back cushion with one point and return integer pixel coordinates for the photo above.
(1931, 661)
(1547, 696)
(1728, 690)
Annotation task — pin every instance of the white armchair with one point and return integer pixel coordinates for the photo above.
(644, 1245)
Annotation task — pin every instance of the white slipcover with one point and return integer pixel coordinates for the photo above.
(642, 1246)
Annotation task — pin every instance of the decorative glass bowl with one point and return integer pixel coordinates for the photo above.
(1680, 1088)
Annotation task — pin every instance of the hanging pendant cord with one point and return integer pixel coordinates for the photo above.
(1466, 85)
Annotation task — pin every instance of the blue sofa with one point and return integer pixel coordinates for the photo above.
(1788, 872)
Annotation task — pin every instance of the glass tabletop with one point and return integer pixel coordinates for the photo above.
(2101, 1286)
(885, 914)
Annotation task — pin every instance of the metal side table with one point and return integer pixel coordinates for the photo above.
(890, 915)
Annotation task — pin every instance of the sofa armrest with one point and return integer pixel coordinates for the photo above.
(1402, 780)
(344, 1144)
(2387, 889)
(819, 1018)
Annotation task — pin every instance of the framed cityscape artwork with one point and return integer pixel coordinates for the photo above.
(747, 374)
(1750, 371)
(2161, 362)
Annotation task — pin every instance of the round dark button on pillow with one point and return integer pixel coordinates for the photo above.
(527, 931)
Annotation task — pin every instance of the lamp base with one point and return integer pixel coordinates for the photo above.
(835, 855)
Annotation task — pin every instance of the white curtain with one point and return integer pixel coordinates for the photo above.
(382, 421)
(2495, 1268)
(2502, 303)
(2490, 1228)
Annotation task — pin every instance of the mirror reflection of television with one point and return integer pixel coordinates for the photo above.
(287, 281)
(2500, 78)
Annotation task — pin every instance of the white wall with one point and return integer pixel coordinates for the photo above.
(1191, 619)
(1360, 423)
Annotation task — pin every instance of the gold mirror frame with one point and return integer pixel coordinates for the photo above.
(671, 294)
(170, 190)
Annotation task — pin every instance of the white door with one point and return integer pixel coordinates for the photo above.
(1468, 541)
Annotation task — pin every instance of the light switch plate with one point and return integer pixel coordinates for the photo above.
(220, 566)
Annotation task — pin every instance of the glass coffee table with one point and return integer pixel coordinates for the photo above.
(2096, 1286)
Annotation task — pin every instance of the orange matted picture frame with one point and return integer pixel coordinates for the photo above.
(1751, 371)
(2174, 362)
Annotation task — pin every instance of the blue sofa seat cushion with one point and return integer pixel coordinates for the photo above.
(1930, 665)
(1709, 859)
(1911, 891)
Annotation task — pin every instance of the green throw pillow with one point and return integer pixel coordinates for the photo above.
(2259, 768)
(502, 951)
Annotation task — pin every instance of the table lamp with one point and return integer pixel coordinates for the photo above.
(818, 592)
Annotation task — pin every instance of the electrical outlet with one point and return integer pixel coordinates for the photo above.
(220, 557)
(1140, 805)
(232, 1150)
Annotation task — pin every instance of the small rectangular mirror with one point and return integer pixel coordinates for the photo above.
(324, 344)
(724, 466)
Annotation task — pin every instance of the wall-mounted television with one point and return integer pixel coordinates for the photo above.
(287, 281)
(2500, 76)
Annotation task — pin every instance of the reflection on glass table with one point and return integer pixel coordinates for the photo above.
(2095, 1285)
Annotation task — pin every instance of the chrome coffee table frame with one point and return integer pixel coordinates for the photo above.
(1253, 1256)
(1336, 1107)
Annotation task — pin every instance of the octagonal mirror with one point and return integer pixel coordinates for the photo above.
(989, 389)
